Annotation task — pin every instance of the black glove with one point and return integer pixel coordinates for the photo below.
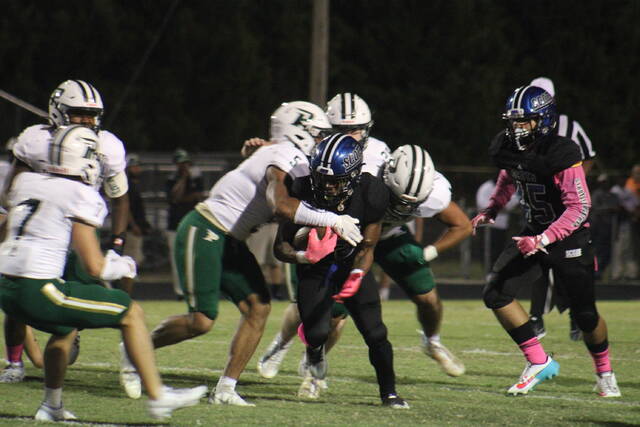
(117, 243)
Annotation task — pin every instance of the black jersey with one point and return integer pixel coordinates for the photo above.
(368, 204)
(533, 172)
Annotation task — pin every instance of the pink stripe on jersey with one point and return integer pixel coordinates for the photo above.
(505, 187)
(533, 351)
(577, 200)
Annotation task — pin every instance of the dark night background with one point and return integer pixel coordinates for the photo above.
(436, 73)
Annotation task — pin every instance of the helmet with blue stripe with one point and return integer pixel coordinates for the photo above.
(530, 113)
(335, 170)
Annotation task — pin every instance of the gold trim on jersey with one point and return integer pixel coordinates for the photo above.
(203, 210)
(577, 164)
(58, 298)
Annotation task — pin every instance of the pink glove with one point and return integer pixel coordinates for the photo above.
(318, 249)
(483, 217)
(351, 285)
(529, 245)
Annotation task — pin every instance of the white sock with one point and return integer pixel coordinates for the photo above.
(53, 397)
(226, 383)
(434, 338)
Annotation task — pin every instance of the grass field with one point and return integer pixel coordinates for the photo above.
(493, 363)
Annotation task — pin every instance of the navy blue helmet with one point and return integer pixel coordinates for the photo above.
(335, 170)
(525, 104)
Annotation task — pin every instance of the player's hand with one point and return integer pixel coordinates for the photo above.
(347, 228)
(482, 218)
(251, 145)
(131, 265)
(529, 245)
(350, 286)
(117, 243)
(320, 248)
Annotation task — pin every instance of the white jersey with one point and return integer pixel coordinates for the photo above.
(41, 208)
(238, 200)
(375, 156)
(437, 201)
(32, 148)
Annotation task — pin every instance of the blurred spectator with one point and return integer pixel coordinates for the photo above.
(138, 226)
(625, 262)
(261, 245)
(605, 207)
(185, 188)
(494, 235)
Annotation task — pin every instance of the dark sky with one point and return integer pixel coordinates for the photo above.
(206, 74)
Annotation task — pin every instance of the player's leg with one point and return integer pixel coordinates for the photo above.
(14, 338)
(401, 257)
(511, 271)
(34, 353)
(198, 257)
(243, 282)
(269, 363)
(577, 277)
(366, 312)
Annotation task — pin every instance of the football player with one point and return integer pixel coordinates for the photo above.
(72, 102)
(546, 170)
(46, 214)
(541, 299)
(336, 184)
(350, 114)
(210, 252)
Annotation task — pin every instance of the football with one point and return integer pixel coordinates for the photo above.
(302, 235)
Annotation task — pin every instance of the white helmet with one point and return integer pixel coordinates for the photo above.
(74, 151)
(348, 112)
(75, 95)
(301, 123)
(409, 175)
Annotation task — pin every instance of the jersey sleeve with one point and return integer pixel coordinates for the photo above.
(563, 154)
(439, 198)
(87, 206)
(32, 146)
(114, 154)
(290, 160)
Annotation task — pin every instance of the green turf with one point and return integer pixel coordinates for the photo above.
(493, 363)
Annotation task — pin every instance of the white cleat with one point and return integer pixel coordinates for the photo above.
(172, 399)
(13, 373)
(269, 363)
(447, 361)
(227, 397)
(47, 413)
(606, 385)
(129, 378)
(533, 375)
(303, 371)
(310, 388)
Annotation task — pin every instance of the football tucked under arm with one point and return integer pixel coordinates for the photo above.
(301, 238)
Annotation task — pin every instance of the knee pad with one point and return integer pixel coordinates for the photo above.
(587, 319)
(491, 294)
(376, 335)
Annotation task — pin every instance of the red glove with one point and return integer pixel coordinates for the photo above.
(350, 286)
(529, 245)
(318, 249)
(484, 217)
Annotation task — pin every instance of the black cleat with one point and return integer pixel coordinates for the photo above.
(394, 401)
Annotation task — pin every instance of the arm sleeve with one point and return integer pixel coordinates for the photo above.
(575, 197)
(505, 188)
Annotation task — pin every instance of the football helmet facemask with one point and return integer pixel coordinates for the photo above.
(348, 112)
(301, 123)
(409, 175)
(335, 170)
(74, 152)
(530, 114)
(75, 97)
